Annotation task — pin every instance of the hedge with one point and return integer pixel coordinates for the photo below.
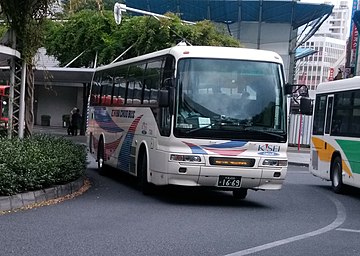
(39, 162)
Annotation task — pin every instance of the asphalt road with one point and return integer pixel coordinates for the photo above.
(114, 218)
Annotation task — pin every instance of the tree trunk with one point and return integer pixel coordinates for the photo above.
(29, 101)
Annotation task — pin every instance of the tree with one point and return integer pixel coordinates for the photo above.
(87, 31)
(73, 6)
(26, 18)
(95, 33)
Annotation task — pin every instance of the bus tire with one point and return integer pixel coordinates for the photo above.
(145, 186)
(101, 157)
(336, 176)
(240, 193)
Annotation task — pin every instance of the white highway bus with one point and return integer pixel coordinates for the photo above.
(193, 116)
(335, 142)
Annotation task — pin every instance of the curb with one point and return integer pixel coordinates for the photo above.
(298, 164)
(9, 203)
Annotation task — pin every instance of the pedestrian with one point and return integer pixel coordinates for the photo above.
(69, 129)
(339, 75)
(75, 122)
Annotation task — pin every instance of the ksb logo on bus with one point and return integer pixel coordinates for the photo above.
(269, 148)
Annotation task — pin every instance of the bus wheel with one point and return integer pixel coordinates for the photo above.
(101, 157)
(145, 186)
(240, 193)
(336, 176)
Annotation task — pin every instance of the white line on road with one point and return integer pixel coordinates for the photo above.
(340, 218)
(348, 230)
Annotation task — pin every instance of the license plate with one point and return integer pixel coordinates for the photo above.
(229, 181)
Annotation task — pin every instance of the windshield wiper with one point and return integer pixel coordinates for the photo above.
(202, 127)
(221, 122)
(251, 128)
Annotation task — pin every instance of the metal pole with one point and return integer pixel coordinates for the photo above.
(126, 8)
(259, 26)
(12, 87)
(22, 100)
(11, 97)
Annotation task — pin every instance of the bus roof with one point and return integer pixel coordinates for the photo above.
(339, 85)
(216, 52)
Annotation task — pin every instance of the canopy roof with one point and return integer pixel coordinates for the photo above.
(303, 52)
(230, 11)
(63, 75)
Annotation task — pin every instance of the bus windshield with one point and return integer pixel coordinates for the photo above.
(223, 99)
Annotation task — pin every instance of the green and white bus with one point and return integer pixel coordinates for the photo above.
(335, 141)
(193, 116)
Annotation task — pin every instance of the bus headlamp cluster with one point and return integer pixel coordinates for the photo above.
(274, 162)
(185, 158)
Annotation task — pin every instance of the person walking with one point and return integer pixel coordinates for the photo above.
(70, 129)
(75, 122)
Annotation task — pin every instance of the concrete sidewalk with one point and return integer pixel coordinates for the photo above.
(298, 156)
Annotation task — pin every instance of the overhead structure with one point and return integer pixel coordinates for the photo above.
(302, 52)
(280, 26)
(9, 65)
(233, 11)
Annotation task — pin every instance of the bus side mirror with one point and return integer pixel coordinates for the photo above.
(164, 98)
(305, 106)
(168, 83)
(288, 89)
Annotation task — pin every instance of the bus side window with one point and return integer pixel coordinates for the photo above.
(119, 86)
(319, 114)
(95, 93)
(146, 98)
(130, 92)
(119, 91)
(152, 81)
(165, 114)
(135, 83)
(106, 90)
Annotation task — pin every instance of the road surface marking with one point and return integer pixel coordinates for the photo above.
(340, 218)
(348, 230)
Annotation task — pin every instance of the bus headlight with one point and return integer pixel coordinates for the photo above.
(274, 162)
(185, 158)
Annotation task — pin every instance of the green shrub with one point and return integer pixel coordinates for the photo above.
(39, 162)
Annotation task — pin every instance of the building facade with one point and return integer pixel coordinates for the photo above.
(329, 44)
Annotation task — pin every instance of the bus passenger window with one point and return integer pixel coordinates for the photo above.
(119, 91)
(106, 90)
(146, 99)
(135, 78)
(153, 96)
(95, 93)
(152, 81)
(137, 93)
(130, 92)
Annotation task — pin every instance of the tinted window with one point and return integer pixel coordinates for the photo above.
(319, 114)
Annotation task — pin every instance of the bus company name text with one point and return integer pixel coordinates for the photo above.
(123, 113)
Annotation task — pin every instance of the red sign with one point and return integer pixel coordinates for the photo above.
(331, 74)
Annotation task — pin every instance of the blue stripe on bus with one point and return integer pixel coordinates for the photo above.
(104, 120)
(125, 150)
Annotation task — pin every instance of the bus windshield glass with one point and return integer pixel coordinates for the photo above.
(224, 98)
